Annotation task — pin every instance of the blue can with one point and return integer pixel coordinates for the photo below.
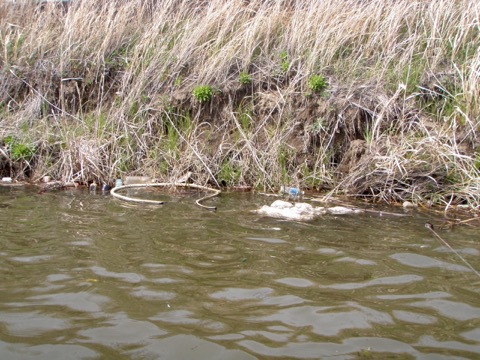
(294, 192)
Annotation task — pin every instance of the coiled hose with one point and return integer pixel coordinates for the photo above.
(214, 192)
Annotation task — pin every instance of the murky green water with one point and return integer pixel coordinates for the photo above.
(90, 277)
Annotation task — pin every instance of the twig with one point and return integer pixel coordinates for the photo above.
(467, 220)
(430, 227)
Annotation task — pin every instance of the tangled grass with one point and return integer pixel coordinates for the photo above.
(104, 89)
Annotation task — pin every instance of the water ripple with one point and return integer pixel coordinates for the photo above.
(296, 282)
(31, 259)
(133, 278)
(345, 350)
(50, 351)
(328, 321)
(430, 342)
(421, 261)
(188, 347)
(32, 324)
(429, 295)
(390, 280)
(120, 330)
(82, 301)
(450, 309)
(236, 294)
(414, 318)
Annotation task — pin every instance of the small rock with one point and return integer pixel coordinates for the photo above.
(408, 205)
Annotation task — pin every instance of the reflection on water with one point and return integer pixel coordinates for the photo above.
(87, 277)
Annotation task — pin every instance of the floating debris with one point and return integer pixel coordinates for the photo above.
(93, 187)
(292, 192)
(301, 211)
(342, 210)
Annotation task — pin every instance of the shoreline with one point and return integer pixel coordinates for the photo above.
(316, 197)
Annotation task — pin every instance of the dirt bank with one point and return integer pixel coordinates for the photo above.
(360, 98)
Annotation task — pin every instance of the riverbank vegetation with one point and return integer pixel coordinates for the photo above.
(379, 99)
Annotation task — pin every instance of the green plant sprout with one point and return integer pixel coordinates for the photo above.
(284, 64)
(203, 93)
(244, 78)
(317, 83)
(19, 150)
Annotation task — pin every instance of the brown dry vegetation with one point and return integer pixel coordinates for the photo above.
(105, 89)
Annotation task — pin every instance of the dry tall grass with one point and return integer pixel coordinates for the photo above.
(105, 88)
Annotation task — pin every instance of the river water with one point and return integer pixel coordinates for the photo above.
(86, 276)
